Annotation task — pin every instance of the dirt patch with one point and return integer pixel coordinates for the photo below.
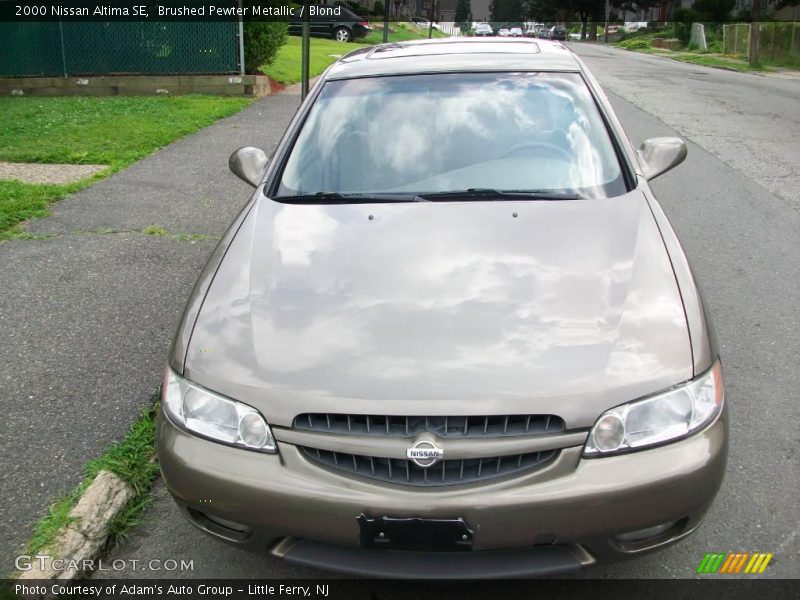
(276, 86)
(39, 173)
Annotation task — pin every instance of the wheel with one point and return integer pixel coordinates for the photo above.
(551, 149)
(342, 34)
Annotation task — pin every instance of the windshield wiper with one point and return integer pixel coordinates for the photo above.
(347, 198)
(487, 193)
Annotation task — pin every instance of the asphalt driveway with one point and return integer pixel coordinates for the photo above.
(87, 313)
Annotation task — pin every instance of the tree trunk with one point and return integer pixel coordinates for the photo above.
(593, 31)
(754, 32)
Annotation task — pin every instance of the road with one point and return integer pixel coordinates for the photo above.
(734, 204)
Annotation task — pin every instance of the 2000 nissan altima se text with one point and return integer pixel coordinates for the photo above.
(452, 334)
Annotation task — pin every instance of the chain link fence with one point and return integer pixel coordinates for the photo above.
(53, 49)
(778, 42)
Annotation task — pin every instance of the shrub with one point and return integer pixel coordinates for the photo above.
(683, 19)
(635, 44)
(715, 47)
(262, 40)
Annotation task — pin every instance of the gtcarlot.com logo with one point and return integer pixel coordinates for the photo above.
(734, 563)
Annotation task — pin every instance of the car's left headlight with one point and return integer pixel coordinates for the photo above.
(661, 418)
(215, 417)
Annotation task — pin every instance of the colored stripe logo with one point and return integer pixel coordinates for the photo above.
(734, 563)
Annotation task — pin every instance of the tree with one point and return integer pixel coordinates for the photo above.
(543, 11)
(463, 16)
(755, 29)
(588, 9)
(633, 5)
(507, 11)
(713, 11)
(262, 40)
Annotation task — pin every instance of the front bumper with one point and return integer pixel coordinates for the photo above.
(558, 518)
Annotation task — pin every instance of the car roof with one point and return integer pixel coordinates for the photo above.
(449, 55)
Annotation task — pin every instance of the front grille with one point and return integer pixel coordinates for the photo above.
(445, 472)
(384, 425)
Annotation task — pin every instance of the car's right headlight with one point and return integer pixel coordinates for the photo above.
(215, 417)
(659, 419)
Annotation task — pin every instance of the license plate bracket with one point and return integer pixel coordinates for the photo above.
(415, 534)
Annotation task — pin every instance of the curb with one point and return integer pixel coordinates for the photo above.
(80, 542)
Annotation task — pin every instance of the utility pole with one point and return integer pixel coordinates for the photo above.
(430, 18)
(386, 21)
(755, 26)
(605, 28)
(305, 50)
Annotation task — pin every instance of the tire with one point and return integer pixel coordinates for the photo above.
(342, 34)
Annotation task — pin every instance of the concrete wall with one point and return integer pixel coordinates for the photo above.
(134, 85)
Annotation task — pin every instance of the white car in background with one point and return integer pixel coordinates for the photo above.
(483, 30)
(504, 32)
(516, 32)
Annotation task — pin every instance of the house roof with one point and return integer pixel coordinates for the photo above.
(449, 55)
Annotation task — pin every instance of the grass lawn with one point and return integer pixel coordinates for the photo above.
(706, 60)
(403, 32)
(285, 68)
(115, 131)
(720, 63)
(324, 52)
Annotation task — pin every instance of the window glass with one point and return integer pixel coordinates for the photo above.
(438, 133)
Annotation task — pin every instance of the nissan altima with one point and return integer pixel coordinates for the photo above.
(452, 333)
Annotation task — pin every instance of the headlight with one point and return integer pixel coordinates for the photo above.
(214, 417)
(661, 418)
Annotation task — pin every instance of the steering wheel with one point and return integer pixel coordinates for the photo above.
(551, 149)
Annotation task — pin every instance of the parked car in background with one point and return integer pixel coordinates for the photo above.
(543, 33)
(558, 33)
(483, 30)
(516, 32)
(345, 27)
(431, 350)
(504, 32)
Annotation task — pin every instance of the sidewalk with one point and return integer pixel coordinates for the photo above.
(87, 312)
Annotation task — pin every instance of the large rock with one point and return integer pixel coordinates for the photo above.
(80, 542)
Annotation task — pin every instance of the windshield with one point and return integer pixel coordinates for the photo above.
(433, 134)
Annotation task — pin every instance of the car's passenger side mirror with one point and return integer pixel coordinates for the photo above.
(249, 164)
(659, 155)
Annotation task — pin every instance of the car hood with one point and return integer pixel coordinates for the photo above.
(524, 307)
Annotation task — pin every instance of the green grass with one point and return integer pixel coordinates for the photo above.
(720, 63)
(132, 460)
(155, 230)
(400, 32)
(696, 58)
(23, 201)
(114, 131)
(285, 68)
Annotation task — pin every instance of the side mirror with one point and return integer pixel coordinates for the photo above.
(659, 155)
(249, 164)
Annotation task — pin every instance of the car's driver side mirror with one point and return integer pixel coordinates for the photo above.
(659, 155)
(249, 164)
